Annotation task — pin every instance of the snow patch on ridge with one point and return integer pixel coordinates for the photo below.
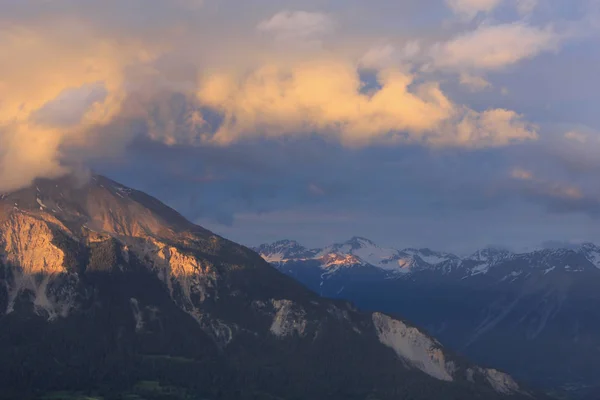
(41, 203)
(413, 346)
(549, 270)
(433, 259)
(273, 258)
(334, 261)
(375, 255)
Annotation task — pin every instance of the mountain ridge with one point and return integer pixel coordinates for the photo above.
(519, 311)
(381, 257)
(103, 287)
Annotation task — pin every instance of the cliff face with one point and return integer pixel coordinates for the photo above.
(103, 285)
(27, 241)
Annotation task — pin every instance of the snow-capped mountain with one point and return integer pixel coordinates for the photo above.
(591, 252)
(521, 311)
(365, 252)
(103, 287)
(284, 250)
(362, 252)
(488, 257)
(355, 252)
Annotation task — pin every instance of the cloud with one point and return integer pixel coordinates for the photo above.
(71, 105)
(473, 82)
(470, 8)
(315, 190)
(227, 108)
(191, 4)
(387, 55)
(557, 196)
(298, 27)
(495, 127)
(576, 136)
(561, 244)
(324, 96)
(82, 80)
(55, 87)
(526, 7)
(25, 155)
(494, 47)
(379, 56)
(522, 174)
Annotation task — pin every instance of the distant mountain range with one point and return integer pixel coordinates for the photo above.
(536, 314)
(105, 292)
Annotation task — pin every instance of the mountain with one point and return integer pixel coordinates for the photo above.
(359, 252)
(535, 315)
(107, 292)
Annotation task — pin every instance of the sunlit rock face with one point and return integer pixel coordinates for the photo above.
(37, 265)
(96, 278)
(412, 345)
(42, 225)
(27, 242)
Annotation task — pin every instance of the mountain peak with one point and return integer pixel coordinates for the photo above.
(357, 242)
(286, 242)
(99, 204)
(283, 250)
(589, 246)
(282, 244)
(490, 253)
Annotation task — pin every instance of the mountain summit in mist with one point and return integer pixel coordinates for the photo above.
(106, 290)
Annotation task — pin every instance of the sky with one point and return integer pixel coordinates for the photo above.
(449, 124)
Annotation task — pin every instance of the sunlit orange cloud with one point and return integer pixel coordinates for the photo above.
(48, 77)
(324, 96)
(62, 79)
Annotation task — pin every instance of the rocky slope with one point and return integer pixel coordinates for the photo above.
(104, 289)
(536, 315)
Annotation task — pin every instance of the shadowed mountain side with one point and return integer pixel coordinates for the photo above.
(535, 315)
(103, 287)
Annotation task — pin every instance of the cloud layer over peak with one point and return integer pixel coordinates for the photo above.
(448, 95)
(72, 73)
